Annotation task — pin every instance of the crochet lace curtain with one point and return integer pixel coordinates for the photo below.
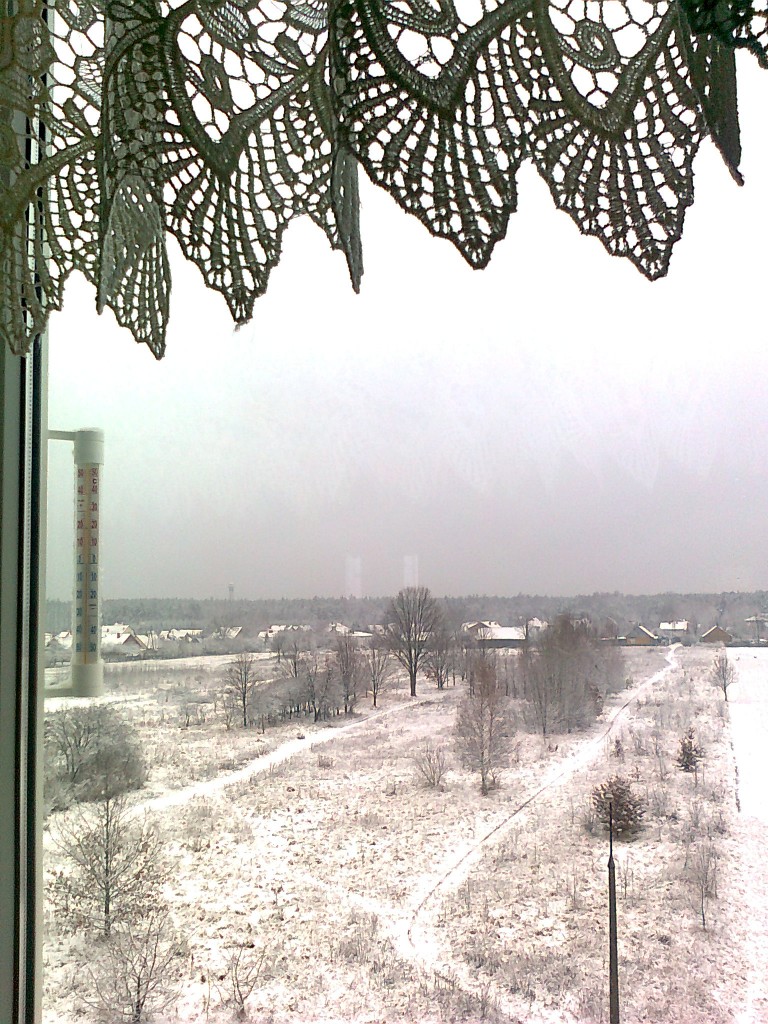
(221, 120)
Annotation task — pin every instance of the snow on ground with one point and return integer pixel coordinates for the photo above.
(194, 665)
(748, 706)
(269, 759)
(532, 917)
(421, 934)
(748, 700)
(379, 900)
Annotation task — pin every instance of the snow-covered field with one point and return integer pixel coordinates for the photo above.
(377, 899)
(748, 706)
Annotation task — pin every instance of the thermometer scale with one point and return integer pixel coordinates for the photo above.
(86, 665)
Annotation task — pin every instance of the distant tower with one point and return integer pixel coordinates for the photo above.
(410, 570)
(353, 576)
(231, 589)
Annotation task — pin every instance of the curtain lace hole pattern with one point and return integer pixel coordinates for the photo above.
(220, 120)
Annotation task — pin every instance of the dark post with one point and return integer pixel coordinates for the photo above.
(612, 928)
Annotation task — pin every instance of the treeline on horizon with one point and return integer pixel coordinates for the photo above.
(607, 611)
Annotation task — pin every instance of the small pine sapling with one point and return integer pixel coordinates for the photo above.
(627, 808)
(691, 752)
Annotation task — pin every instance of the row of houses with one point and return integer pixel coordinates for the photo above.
(675, 632)
(121, 639)
(485, 632)
(489, 633)
(334, 629)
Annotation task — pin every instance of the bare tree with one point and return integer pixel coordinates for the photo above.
(457, 653)
(239, 683)
(113, 870)
(414, 617)
(439, 657)
(561, 676)
(72, 733)
(294, 653)
(379, 664)
(484, 726)
(703, 874)
(465, 656)
(291, 693)
(135, 972)
(321, 685)
(539, 687)
(261, 706)
(228, 708)
(313, 686)
(480, 656)
(278, 644)
(722, 674)
(349, 667)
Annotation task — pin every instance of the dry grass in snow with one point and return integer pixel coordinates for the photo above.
(355, 892)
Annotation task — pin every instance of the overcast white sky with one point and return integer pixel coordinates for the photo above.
(553, 424)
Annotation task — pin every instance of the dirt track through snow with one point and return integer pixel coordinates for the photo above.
(259, 765)
(414, 929)
(420, 941)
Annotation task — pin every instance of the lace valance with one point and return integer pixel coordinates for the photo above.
(221, 120)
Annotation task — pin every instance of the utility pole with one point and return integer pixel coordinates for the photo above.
(612, 927)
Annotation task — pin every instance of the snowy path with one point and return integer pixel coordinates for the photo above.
(414, 929)
(422, 938)
(752, 838)
(259, 765)
(748, 702)
(556, 775)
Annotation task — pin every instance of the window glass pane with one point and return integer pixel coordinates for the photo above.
(554, 426)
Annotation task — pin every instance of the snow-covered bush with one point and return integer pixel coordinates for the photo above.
(92, 752)
(431, 764)
(137, 969)
(247, 968)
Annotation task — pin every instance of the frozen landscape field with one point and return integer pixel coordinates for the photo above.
(351, 891)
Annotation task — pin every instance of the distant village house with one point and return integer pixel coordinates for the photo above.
(491, 634)
(639, 636)
(676, 632)
(716, 635)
